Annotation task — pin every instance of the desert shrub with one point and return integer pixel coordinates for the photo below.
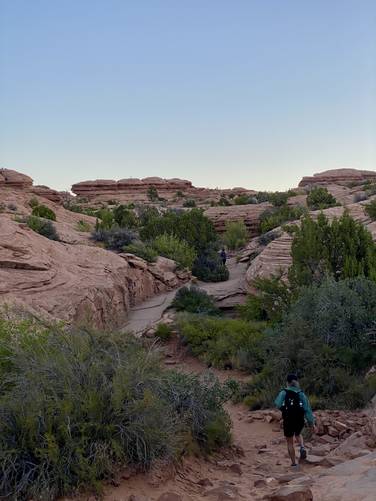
(191, 226)
(12, 207)
(209, 267)
(190, 202)
(241, 199)
(343, 249)
(142, 250)
(268, 237)
(83, 226)
(179, 194)
(278, 198)
(272, 218)
(235, 235)
(33, 202)
(44, 211)
(153, 194)
(272, 301)
(370, 189)
(124, 217)
(371, 210)
(105, 220)
(2, 207)
(224, 342)
(163, 332)
(43, 227)
(194, 300)
(327, 337)
(115, 238)
(223, 202)
(320, 198)
(75, 406)
(180, 251)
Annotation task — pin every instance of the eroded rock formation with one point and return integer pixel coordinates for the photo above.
(136, 190)
(339, 176)
(75, 283)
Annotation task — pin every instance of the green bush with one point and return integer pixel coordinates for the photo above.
(75, 406)
(371, 210)
(83, 226)
(223, 202)
(190, 202)
(278, 198)
(105, 220)
(320, 198)
(43, 227)
(343, 249)
(33, 202)
(124, 217)
(327, 338)
(191, 226)
(194, 300)
(224, 342)
(235, 235)
(272, 218)
(171, 247)
(242, 199)
(153, 194)
(209, 267)
(142, 250)
(370, 189)
(163, 332)
(44, 211)
(114, 239)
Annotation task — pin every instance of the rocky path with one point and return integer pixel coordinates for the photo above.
(146, 314)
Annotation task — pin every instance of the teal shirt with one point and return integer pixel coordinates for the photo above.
(306, 406)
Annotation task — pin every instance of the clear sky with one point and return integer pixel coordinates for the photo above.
(253, 93)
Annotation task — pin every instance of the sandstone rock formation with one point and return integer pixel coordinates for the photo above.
(13, 179)
(75, 283)
(136, 190)
(46, 192)
(275, 259)
(249, 214)
(339, 176)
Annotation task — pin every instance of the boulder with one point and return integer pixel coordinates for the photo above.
(292, 493)
(13, 179)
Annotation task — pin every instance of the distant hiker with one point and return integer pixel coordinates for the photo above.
(223, 256)
(295, 407)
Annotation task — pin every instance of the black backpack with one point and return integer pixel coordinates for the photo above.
(292, 407)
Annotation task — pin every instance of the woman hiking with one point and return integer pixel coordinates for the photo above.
(295, 408)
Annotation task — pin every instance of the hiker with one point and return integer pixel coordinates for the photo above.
(295, 407)
(223, 256)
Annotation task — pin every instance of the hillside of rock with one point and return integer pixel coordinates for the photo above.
(75, 283)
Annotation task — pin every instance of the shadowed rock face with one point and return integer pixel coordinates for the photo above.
(76, 283)
(339, 176)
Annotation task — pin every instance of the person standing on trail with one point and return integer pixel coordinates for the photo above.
(295, 408)
(223, 256)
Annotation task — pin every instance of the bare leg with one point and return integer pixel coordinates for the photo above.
(291, 449)
(300, 440)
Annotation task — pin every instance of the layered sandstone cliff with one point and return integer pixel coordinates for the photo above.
(339, 176)
(136, 190)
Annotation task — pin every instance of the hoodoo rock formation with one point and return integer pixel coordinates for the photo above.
(136, 190)
(339, 176)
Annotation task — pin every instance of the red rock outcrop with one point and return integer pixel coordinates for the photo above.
(136, 190)
(249, 214)
(75, 282)
(46, 192)
(339, 176)
(13, 179)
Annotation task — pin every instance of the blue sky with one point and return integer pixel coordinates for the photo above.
(253, 93)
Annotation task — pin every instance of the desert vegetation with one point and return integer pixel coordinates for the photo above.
(188, 237)
(320, 323)
(75, 405)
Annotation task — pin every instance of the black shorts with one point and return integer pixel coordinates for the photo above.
(293, 427)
